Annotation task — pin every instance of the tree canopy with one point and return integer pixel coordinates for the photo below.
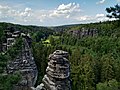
(114, 12)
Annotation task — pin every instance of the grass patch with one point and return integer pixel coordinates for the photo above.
(47, 41)
(55, 37)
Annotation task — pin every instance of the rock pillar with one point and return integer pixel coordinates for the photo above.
(57, 73)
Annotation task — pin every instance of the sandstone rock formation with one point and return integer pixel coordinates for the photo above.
(84, 32)
(9, 39)
(25, 64)
(57, 73)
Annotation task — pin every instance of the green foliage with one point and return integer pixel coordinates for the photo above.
(114, 12)
(3, 62)
(94, 60)
(51, 40)
(83, 75)
(1, 38)
(7, 81)
(39, 53)
(111, 85)
(15, 49)
(107, 68)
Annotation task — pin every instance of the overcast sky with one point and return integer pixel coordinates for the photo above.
(54, 12)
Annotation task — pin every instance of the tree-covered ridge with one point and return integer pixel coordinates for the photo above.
(94, 60)
(37, 32)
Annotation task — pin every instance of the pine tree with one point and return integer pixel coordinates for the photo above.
(107, 70)
(114, 12)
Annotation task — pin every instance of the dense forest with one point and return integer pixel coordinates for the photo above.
(94, 56)
(94, 59)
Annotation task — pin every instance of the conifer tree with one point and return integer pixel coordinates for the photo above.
(114, 12)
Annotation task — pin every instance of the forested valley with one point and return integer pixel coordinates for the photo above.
(94, 53)
(94, 58)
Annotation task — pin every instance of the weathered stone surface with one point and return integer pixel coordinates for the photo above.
(25, 64)
(57, 73)
(10, 38)
(83, 32)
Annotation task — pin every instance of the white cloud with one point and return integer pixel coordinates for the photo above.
(99, 15)
(4, 11)
(4, 8)
(40, 15)
(83, 18)
(7, 12)
(65, 10)
(68, 16)
(96, 18)
(63, 14)
(118, 0)
(101, 2)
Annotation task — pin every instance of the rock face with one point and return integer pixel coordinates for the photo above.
(10, 39)
(57, 72)
(84, 32)
(25, 64)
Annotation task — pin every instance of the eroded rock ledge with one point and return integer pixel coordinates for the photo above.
(57, 73)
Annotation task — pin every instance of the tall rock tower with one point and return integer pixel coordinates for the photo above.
(57, 72)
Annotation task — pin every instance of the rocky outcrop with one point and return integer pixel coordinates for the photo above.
(10, 39)
(84, 32)
(25, 64)
(57, 73)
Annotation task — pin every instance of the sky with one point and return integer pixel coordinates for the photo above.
(54, 12)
